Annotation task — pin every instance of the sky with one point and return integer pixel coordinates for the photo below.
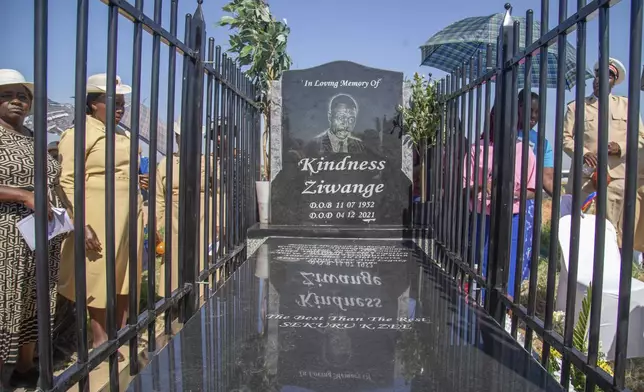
(383, 34)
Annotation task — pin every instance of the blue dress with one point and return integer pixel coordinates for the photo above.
(548, 162)
(484, 221)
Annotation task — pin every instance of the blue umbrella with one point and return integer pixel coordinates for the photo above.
(458, 42)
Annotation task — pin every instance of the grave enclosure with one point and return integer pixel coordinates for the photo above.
(339, 292)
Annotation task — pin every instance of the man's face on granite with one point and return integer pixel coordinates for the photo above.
(342, 119)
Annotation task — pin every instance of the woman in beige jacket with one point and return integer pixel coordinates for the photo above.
(96, 282)
(161, 182)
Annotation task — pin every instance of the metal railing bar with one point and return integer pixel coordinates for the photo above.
(217, 175)
(207, 155)
(440, 179)
(458, 162)
(230, 141)
(514, 120)
(235, 150)
(453, 183)
(538, 200)
(45, 363)
(502, 190)
(152, 202)
(556, 196)
(469, 173)
(486, 169)
(80, 286)
(110, 191)
(602, 194)
(577, 161)
(523, 201)
(133, 226)
(632, 145)
(224, 215)
(167, 256)
(183, 116)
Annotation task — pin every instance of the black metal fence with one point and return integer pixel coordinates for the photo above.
(463, 238)
(231, 119)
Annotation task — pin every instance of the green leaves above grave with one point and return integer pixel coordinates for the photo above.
(259, 42)
(421, 119)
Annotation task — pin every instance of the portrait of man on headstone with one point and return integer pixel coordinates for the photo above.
(338, 138)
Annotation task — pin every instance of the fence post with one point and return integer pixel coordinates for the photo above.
(190, 161)
(45, 364)
(504, 154)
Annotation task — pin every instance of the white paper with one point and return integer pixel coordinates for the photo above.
(60, 224)
(210, 248)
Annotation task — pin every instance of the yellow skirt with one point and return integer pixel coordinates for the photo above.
(95, 263)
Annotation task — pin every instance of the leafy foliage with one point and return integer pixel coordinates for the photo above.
(259, 43)
(638, 272)
(580, 332)
(579, 339)
(421, 119)
(579, 342)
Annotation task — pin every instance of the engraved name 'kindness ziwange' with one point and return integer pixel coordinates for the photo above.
(318, 165)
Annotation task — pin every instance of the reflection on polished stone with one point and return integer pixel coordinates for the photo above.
(341, 315)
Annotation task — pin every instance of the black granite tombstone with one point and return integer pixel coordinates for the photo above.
(337, 157)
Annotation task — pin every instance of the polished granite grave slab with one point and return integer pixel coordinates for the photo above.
(341, 315)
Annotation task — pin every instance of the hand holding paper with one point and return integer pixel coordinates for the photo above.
(59, 223)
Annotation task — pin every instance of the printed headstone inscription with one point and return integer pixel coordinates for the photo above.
(337, 156)
(337, 311)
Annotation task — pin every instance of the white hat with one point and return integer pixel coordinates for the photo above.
(621, 71)
(10, 77)
(177, 128)
(98, 84)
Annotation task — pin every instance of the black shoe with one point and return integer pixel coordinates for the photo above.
(28, 379)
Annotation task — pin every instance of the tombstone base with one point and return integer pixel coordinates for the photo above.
(381, 231)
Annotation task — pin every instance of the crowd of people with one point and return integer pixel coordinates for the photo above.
(618, 117)
(18, 320)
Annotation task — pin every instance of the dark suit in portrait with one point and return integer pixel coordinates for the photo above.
(342, 114)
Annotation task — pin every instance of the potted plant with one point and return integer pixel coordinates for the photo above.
(259, 43)
(421, 120)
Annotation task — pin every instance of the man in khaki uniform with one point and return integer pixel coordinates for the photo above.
(618, 114)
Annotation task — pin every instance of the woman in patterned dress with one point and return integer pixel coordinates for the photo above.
(18, 320)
